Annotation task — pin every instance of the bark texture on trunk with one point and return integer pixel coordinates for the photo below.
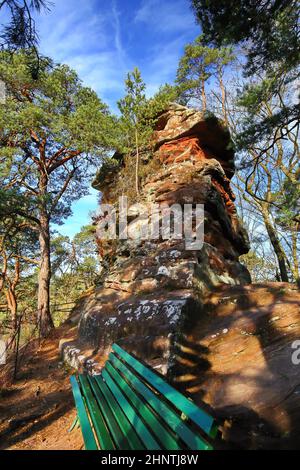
(276, 245)
(223, 92)
(12, 300)
(13, 306)
(295, 253)
(44, 316)
(4, 270)
(137, 164)
(203, 94)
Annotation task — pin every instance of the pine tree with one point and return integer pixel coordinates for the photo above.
(198, 64)
(132, 108)
(54, 132)
(269, 35)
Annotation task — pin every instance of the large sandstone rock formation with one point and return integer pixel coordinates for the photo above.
(151, 285)
(194, 315)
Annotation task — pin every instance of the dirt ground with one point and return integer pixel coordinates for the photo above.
(37, 409)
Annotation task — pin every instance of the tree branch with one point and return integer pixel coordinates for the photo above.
(63, 189)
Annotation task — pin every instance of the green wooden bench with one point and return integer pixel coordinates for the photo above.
(129, 406)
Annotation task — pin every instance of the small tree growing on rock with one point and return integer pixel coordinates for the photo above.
(132, 108)
(139, 115)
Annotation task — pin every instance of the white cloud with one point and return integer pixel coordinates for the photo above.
(172, 25)
(66, 29)
(88, 41)
(166, 17)
(162, 65)
(117, 37)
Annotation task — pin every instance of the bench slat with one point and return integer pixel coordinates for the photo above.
(119, 438)
(88, 435)
(161, 432)
(198, 416)
(143, 432)
(192, 440)
(126, 428)
(100, 427)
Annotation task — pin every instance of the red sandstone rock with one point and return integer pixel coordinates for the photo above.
(180, 122)
(184, 149)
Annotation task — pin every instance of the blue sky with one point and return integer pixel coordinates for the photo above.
(103, 40)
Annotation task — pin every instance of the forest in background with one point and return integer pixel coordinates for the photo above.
(55, 134)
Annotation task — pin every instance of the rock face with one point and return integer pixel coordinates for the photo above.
(151, 285)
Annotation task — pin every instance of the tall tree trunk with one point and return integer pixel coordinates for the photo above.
(295, 253)
(223, 92)
(44, 316)
(137, 163)
(4, 270)
(203, 95)
(276, 245)
(13, 306)
(11, 297)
